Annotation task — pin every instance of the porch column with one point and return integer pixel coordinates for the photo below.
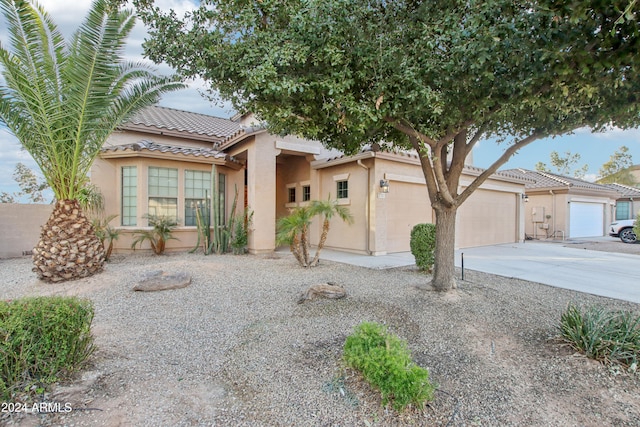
(261, 182)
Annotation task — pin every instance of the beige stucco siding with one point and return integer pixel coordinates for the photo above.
(344, 236)
(21, 226)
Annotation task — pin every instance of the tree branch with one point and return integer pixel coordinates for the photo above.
(480, 179)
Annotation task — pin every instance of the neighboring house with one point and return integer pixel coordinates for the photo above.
(564, 207)
(162, 161)
(628, 201)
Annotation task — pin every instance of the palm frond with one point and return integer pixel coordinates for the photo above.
(62, 100)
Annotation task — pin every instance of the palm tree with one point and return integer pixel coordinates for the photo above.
(327, 209)
(62, 100)
(293, 229)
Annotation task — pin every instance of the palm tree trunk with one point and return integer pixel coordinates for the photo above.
(323, 240)
(68, 248)
(304, 244)
(295, 250)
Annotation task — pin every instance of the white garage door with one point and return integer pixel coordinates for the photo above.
(586, 219)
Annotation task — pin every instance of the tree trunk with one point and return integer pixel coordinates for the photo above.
(444, 267)
(68, 248)
(323, 240)
(296, 251)
(304, 245)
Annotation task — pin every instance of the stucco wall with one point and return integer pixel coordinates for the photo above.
(556, 207)
(342, 235)
(21, 225)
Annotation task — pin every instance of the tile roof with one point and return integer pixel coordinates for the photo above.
(172, 149)
(552, 180)
(186, 124)
(625, 190)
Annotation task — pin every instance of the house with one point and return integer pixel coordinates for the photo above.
(163, 161)
(564, 207)
(628, 201)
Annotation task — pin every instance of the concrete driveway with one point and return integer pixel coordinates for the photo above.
(608, 274)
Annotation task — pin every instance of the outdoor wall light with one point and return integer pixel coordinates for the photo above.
(525, 198)
(384, 186)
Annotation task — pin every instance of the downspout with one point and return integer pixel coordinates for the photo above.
(553, 211)
(368, 211)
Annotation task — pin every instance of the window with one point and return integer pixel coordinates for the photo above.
(197, 191)
(129, 192)
(306, 193)
(292, 195)
(622, 210)
(163, 192)
(342, 189)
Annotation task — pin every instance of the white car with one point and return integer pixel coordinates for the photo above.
(624, 230)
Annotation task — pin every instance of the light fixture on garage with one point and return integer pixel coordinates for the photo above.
(525, 198)
(384, 186)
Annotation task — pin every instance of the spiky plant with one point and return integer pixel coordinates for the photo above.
(292, 230)
(327, 209)
(62, 100)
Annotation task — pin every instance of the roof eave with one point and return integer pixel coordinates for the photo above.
(172, 133)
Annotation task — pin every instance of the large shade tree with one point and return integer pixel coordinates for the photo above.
(433, 76)
(62, 100)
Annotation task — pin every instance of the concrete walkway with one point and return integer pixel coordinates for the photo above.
(612, 275)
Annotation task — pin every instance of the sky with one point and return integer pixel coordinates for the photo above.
(594, 149)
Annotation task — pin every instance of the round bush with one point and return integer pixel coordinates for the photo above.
(423, 245)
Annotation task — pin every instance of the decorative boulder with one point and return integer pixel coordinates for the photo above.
(160, 281)
(323, 290)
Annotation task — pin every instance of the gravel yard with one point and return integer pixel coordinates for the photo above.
(234, 348)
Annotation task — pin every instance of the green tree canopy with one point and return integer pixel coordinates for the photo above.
(434, 76)
(564, 165)
(616, 170)
(31, 186)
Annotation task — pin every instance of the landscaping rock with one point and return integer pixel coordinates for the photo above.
(324, 290)
(160, 281)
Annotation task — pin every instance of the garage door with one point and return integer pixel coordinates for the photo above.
(586, 219)
(487, 218)
(407, 205)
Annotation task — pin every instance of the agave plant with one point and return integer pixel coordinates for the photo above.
(62, 100)
(161, 231)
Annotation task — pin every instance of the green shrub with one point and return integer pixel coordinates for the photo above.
(423, 245)
(42, 340)
(160, 233)
(384, 361)
(607, 336)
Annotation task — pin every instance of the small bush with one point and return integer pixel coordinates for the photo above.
(423, 245)
(607, 336)
(384, 360)
(42, 340)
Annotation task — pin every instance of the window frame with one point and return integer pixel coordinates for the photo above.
(158, 197)
(129, 196)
